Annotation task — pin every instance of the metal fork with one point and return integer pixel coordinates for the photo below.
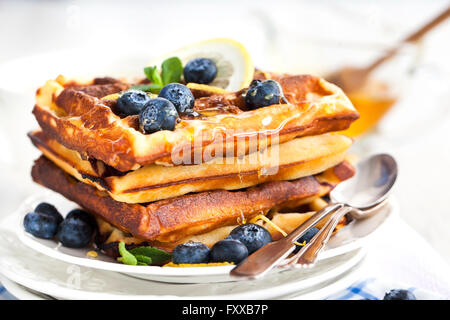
(308, 254)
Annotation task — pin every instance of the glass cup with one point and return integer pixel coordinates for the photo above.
(388, 102)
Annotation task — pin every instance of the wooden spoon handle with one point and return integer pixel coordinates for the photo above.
(415, 36)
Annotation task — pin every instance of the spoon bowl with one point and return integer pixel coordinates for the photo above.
(371, 184)
(360, 197)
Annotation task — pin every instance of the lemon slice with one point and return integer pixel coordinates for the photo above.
(206, 89)
(234, 65)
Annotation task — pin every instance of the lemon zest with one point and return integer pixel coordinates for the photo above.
(273, 225)
(188, 265)
(207, 88)
(112, 96)
(267, 220)
(92, 254)
(241, 219)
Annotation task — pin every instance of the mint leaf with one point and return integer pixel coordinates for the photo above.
(153, 88)
(126, 256)
(157, 256)
(171, 70)
(152, 74)
(143, 259)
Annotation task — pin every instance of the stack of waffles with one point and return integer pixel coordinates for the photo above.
(223, 166)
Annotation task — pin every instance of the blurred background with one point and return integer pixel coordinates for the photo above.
(405, 107)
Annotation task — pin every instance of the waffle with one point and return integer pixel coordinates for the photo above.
(289, 161)
(109, 236)
(72, 113)
(174, 219)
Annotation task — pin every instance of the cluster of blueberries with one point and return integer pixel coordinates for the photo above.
(241, 242)
(78, 228)
(175, 99)
(75, 231)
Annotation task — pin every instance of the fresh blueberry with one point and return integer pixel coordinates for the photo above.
(228, 250)
(50, 210)
(306, 238)
(158, 114)
(190, 252)
(200, 70)
(180, 96)
(262, 94)
(131, 102)
(82, 215)
(399, 294)
(253, 236)
(40, 225)
(75, 233)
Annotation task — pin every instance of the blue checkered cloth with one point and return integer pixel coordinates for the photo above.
(373, 289)
(5, 295)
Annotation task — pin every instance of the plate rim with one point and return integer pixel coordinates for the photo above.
(156, 271)
(17, 290)
(60, 292)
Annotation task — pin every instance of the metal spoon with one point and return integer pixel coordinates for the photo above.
(369, 188)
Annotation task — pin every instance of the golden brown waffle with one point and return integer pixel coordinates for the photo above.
(109, 237)
(291, 160)
(173, 219)
(73, 114)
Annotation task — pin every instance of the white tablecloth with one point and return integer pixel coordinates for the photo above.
(401, 258)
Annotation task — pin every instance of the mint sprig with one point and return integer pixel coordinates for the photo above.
(143, 256)
(147, 87)
(126, 256)
(144, 259)
(171, 70)
(153, 75)
(158, 256)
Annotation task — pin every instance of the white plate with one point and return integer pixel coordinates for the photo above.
(329, 287)
(319, 291)
(347, 239)
(59, 279)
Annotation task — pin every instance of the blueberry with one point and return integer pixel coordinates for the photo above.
(131, 102)
(50, 210)
(158, 114)
(190, 252)
(40, 225)
(228, 250)
(180, 96)
(306, 238)
(399, 294)
(82, 215)
(253, 236)
(200, 70)
(262, 94)
(75, 233)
